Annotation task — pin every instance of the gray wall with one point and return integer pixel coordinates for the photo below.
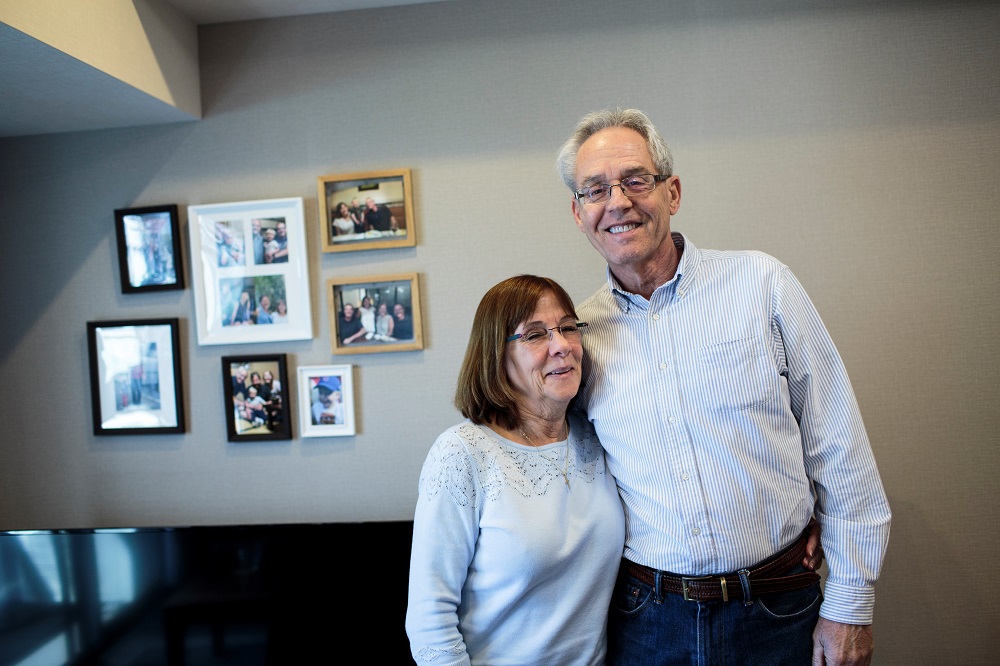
(858, 144)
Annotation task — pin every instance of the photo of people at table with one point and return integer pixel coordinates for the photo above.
(366, 209)
(253, 301)
(374, 313)
(258, 402)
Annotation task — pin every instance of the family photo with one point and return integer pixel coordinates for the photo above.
(256, 397)
(375, 314)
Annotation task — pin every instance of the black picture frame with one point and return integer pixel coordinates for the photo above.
(136, 386)
(149, 249)
(269, 421)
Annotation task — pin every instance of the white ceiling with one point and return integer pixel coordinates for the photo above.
(44, 90)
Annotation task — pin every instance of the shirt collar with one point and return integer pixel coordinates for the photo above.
(683, 276)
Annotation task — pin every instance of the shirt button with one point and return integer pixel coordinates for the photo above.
(672, 419)
(685, 476)
(696, 531)
(656, 317)
(663, 366)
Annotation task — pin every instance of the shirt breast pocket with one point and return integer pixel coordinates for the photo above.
(738, 374)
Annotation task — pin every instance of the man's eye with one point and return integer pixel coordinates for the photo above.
(595, 192)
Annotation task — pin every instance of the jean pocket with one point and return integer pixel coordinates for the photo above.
(630, 596)
(790, 604)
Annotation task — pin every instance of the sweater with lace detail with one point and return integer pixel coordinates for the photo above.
(509, 566)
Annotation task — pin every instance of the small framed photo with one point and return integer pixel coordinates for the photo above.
(149, 249)
(256, 405)
(135, 376)
(365, 211)
(374, 314)
(326, 400)
(251, 272)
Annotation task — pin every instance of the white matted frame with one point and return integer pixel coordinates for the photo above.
(249, 286)
(379, 205)
(326, 400)
(364, 334)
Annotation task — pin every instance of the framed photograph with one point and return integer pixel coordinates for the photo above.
(256, 405)
(374, 314)
(135, 376)
(251, 272)
(326, 400)
(365, 211)
(149, 248)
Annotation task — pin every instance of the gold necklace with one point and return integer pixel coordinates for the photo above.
(565, 470)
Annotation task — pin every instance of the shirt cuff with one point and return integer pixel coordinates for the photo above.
(847, 604)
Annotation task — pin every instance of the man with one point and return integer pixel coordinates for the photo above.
(258, 241)
(728, 420)
(280, 256)
(239, 382)
(378, 216)
(350, 325)
(402, 327)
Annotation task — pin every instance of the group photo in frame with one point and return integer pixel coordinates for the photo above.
(149, 248)
(365, 211)
(374, 314)
(250, 271)
(256, 390)
(326, 400)
(135, 376)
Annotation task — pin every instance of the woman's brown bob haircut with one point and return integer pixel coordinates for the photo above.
(484, 393)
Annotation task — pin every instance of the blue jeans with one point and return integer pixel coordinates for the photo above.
(774, 630)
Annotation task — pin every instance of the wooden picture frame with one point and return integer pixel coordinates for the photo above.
(398, 292)
(149, 249)
(380, 208)
(135, 376)
(256, 409)
(236, 268)
(326, 400)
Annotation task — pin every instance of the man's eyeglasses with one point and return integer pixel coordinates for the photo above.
(540, 334)
(632, 186)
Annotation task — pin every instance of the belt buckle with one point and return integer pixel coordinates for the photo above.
(684, 584)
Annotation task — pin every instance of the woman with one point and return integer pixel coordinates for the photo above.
(518, 530)
(344, 221)
(242, 311)
(367, 312)
(383, 323)
(280, 314)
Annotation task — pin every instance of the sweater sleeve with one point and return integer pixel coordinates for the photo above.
(445, 529)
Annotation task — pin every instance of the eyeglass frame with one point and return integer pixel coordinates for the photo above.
(520, 336)
(657, 178)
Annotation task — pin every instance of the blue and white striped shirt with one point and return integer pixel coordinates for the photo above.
(728, 419)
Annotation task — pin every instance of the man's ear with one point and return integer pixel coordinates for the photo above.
(574, 206)
(674, 187)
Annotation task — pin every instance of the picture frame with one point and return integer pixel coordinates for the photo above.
(386, 197)
(135, 376)
(326, 400)
(231, 283)
(149, 249)
(398, 293)
(257, 404)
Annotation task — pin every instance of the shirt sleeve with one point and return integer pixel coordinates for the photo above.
(445, 528)
(851, 504)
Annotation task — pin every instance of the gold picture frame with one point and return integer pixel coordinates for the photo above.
(379, 211)
(355, 330)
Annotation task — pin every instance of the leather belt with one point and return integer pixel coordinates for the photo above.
(765, 578)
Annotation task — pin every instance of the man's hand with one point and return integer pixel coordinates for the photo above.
(836, 644)
(814, 550)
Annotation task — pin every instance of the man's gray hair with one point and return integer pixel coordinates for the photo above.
(596, 121)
